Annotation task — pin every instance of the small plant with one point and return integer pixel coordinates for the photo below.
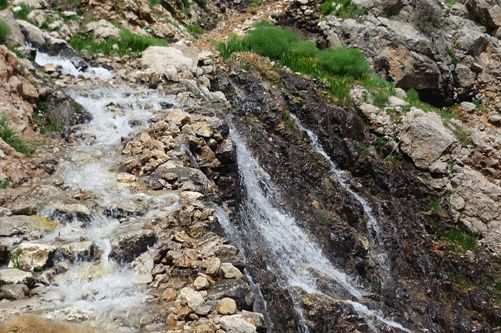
(340, 88)
(23, 13)
(343, 61)
(154, 2)
(461, 238)
(392, 158)
(452, 56)
(379, 88)
(381, 141)
(435, 207)
(324, 218)
(4, 31)
(12, 139)
(255, 3)
(232, 45)
(4, 4)
(341, 8)
(195, 29)
(15, 258)
(4, 183)
(451, 2)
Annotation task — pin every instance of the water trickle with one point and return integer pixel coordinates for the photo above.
(67, 67)
(372, 222)
(293, 255)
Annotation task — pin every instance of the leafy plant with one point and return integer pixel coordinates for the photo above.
(4, 183)
(23, 13)
(12, 139)
(4, 31)
(4, 4)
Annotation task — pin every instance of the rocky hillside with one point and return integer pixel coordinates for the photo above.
(251, 166)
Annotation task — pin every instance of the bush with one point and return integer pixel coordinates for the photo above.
(4, 31)
(343, 61)
(4, 4)
(232, 45)
(12, 139)
(270, 41)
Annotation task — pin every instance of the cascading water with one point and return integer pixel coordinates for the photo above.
(102, 290)
(372, 222)
(292, 254)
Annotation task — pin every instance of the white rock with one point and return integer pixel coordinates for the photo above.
(201, 283)
(14, 276)
(236, 324)
(159, 59)
(230, 271)
(30, 256)
(193, 298)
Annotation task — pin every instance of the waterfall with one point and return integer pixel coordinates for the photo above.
(294, 256)
(372, 222)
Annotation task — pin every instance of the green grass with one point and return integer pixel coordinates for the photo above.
(195, 29)
(128, 43)
(23, 13)
(435, 208)
(4, 183)
(4, 4)
(451, 2)
(380, 89)
(344, 9)
(452, 56)
(154, 2)
(343, 61)
(4, 31)
(461, 238)
(255, 3)
(14, 140)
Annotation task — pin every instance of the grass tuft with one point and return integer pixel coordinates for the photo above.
(23, 13)
(12, 139)
(4, 31)
(343, 61)
(129, 43)
(461, 238)
(341, 8)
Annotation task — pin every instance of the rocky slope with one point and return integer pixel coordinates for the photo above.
(169, 190)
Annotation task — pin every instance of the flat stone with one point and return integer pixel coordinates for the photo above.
(15, 276)
(230, 271)
(14, 291)
(32, 256)
(236, 324)
(201, 283)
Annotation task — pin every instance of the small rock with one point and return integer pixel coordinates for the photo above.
(230, 271)
(468, 107)
(236, 324)
(495, 119)
(201, 283)
(193, 298)
(203, 129)
(14, 291)
(169, 295)
(212, 265)
(126, 178)
(226, 306)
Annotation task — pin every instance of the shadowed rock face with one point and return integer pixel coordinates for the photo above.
(421, 288)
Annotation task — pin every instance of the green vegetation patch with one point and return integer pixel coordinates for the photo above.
(4, 31)
(4, 4)
(12, 139)
(461, 238)
(128, 43)
(341, 8)
(23, 13)
(195, 29)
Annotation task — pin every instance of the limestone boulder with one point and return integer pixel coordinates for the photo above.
(166, 61)
(32, 256)
(424, 137)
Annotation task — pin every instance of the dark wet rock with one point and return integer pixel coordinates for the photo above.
(61, 112)
(128, 246)
(69, 212)
(236, 289)
(14, 291)
(487, 12)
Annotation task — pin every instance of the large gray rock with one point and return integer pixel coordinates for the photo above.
(16, 36)
(102, 29)
(424, 137)
(32, 34)
(128, 246)
(168, 61)
(487, 12)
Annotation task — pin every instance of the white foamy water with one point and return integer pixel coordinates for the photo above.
(103, 288)
(67, 67)
(297, 257)
(372, 222)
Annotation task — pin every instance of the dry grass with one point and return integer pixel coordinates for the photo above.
(35, 324)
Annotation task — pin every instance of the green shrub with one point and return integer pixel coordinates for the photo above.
(270, 41)
(4, 31)
(304, 48)
(4, 4)
(232, 45)
(23, 13)
(343, 61)
(12, 139)
(138, 43)
(154, 2)
(379, 88)
(340, 88)
(195, 29)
